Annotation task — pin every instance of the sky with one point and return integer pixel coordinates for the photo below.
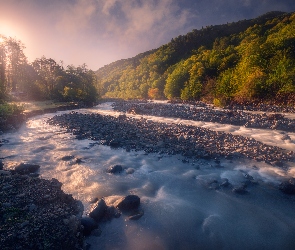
(98, 32)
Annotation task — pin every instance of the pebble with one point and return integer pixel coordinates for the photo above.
(208, 114)
(152, 137)
(116, 169)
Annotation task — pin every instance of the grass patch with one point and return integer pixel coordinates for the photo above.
(41, 105)
(9, 109)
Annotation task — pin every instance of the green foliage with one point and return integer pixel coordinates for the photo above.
(7, 109)
(42, 79)
(242, 61)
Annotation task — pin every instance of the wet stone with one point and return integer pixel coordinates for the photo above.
(288, 187)
(224, 183)
(89, 224)
(240, 189)
(99, 210)
(129, 202)
(67, 158)
(130, 170)
(25, 168)
(116, 169)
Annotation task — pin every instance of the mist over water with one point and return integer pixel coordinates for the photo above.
(182, 207)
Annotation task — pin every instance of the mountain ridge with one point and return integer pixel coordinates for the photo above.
(147, 74)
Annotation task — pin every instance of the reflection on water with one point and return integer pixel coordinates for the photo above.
(184, 208)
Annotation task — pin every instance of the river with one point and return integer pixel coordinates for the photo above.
(184, 208)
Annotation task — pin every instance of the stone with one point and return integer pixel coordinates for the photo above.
(5, 172)
(130, 170)
(89, 224)
(288, 187)
(25, 168)
(240, 189)
(67, 158)
(99, 210)
(128, 203)
(286, 137)
(278, 163)
(112, 212)
(78, 160)
(115, 169)
(224, 182)
(114, 143)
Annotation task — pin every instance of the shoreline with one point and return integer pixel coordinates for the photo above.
(37, 214)
(136, 141)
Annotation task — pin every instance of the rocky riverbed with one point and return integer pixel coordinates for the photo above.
(152, 137)
(36, 214)
(188, 186)
(202, 112)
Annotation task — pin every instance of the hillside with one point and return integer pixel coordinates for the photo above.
(241, 61)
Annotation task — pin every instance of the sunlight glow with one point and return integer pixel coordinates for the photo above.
(11, 30)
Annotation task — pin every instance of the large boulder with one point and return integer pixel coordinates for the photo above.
(99, 210)
(26, 168)
(128, 203)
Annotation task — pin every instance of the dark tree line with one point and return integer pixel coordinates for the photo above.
(42, 79)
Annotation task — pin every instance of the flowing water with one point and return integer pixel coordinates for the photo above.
(182, 207)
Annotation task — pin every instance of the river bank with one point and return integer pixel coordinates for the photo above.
(194, 183)
(152, 137)
(37, 214)
(31, 109)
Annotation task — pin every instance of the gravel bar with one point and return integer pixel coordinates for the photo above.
(152, 137)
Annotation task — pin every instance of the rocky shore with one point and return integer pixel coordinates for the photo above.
(189, 141)
(36, 214)
(13, 122)
(202, 112)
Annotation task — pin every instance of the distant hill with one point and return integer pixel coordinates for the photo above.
(240, 61)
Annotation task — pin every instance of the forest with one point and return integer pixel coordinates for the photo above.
(43, 79)
(246, 61)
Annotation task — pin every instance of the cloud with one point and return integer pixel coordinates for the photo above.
(101, 31)
(108, 5)
(134, 20)
(76, 17)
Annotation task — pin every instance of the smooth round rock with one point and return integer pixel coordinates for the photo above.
(129, 202)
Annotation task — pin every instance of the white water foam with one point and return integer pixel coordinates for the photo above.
(182, 208)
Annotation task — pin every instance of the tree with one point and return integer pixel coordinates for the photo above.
(48, 71)
(2, 68)
(15, 59)
(12, 65)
